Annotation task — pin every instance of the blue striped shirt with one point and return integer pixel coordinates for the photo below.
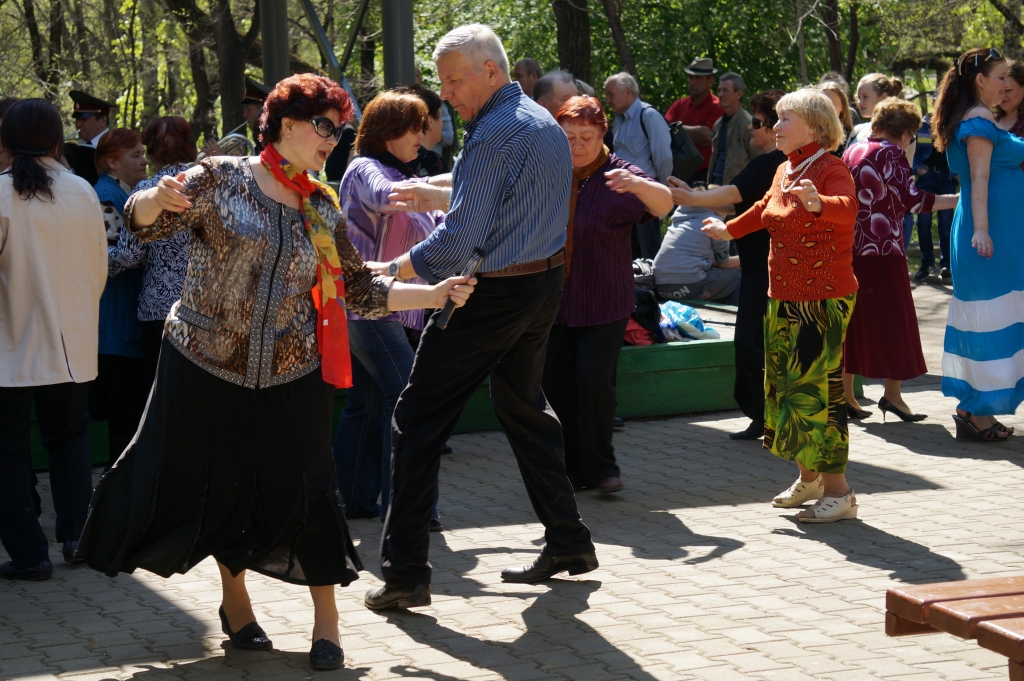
(651, 152)
(510, 191)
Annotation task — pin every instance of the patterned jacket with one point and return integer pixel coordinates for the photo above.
(246, 313)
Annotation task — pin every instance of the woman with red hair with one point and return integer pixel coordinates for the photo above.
(233, 458)
(608, 196)
(171, 147)
(118, 394)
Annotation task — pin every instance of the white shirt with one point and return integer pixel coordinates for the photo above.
(53, 267)
(95, 140)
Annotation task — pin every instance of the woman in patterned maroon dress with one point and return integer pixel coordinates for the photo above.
(882, 340)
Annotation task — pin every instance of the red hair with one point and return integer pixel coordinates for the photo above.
(169, 141)
(301, 97)
(113, 144)
(583, 110)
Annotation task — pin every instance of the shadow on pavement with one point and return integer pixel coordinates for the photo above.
(870, 546)
(555, 638)
(932, 439)
(245, 664)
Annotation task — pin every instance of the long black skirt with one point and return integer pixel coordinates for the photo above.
(245, 476)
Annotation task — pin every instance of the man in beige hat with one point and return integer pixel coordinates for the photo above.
(699, 112)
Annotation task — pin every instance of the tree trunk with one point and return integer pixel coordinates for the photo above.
(367, 86)
(81, 40)
(232, 52)
(35, 39)
(149, 19)
(202, 122)
(800, 41)
(1012, 31)
(830, 17)
(851, 55)
(573, 30)
(57, 31)
(611, 11)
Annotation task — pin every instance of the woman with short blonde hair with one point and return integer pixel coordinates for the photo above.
(809, 212)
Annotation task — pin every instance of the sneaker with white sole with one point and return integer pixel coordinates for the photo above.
(799, 492)
(831, 509)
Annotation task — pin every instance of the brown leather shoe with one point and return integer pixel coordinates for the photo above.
(610, 486)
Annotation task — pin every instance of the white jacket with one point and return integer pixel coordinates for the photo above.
(53, 267)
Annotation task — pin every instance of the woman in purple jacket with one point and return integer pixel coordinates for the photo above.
(608, 196)
(389, 137)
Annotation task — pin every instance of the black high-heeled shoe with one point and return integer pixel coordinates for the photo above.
(965, 430)
(249, 637)
(885, 406)
(324, 656)
(856, 414)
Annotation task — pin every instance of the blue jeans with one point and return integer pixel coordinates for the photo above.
(381, 364)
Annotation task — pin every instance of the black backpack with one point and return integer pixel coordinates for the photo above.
(686, 157)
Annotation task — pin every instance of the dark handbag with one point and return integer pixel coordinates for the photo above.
(686, 157)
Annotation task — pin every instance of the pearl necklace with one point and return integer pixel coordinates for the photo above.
(802, 168)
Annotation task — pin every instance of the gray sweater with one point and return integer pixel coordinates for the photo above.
(687, 253)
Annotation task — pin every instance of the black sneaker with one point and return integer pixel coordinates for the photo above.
(436, 525)
(923, 273)
(945, 274)
(36, 573)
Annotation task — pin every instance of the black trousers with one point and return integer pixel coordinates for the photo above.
(64, 425)
(748, 391)
(579, 382)
(119, 395)
(502, 332)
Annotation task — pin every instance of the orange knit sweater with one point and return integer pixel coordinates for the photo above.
(811, 256)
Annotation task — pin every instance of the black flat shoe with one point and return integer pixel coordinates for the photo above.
(754, 431)
(857, 414)
(885, 406)
(68, 550)
(36, 573)
(390, 597)
(546, 567)
(965, 430)
(249, 637)
(436, 525)
(325, 656)
(618, 424)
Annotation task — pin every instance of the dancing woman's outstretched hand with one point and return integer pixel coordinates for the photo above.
(169, 194)
(714, 227)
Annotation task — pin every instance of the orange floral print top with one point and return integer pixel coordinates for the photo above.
(811, 256)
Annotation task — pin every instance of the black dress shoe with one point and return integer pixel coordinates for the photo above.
(436, 525)
(446, 450)
(546, 567)
(610, 485)
(618, 424)
(325, 656)
(38, 573)
(69, 552)
(390, 597)
(857, 414)
(753, 432)
(249, 637)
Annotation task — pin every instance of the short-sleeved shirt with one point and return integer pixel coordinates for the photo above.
(599, 288)
(753, 182)
(706, 113)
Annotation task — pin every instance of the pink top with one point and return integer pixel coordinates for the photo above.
(885, 193)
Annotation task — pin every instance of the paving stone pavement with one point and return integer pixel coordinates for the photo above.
(700, 577)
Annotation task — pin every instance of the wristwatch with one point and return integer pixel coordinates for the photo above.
(393, 268)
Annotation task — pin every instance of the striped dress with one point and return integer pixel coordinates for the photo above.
(983, 364)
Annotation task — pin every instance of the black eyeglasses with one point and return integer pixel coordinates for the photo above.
(993, 54)
(325, 127)
(757, 124)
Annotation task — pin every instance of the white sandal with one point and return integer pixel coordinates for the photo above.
(831, 509)
(799, 492)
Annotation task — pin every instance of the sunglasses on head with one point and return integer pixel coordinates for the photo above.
(757, 124)
(325, 127)
(993, 54)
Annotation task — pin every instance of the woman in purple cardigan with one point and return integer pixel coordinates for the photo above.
(389, 138)
(608, 196)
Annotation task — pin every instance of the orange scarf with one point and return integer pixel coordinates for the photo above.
(579, 175)
(329, 292)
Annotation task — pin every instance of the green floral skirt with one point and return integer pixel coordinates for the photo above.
(805, 409)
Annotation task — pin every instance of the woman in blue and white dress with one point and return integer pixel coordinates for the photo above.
(983, 364)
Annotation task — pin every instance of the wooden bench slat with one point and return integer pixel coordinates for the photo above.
(897, 626)
(913, 602)
(962, 617)
(1003, 636)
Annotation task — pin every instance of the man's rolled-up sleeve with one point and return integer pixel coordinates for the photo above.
(479, 184)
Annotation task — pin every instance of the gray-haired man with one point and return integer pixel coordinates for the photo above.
(510, 197)
(554, 89)
(730, 136)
